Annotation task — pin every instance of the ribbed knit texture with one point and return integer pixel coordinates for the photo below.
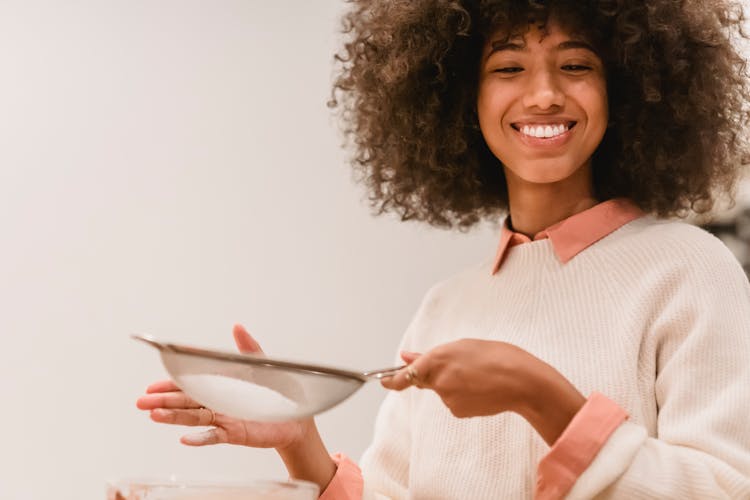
(656, 316)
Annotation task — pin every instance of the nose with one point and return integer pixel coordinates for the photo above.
(543, 91)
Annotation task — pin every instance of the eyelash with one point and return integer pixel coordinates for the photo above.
(577, 67)
(515, 69)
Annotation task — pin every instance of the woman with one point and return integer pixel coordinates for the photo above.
(605, 348)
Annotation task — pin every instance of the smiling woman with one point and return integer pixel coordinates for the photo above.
(603, 351)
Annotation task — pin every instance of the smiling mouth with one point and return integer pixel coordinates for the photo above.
(544, 131)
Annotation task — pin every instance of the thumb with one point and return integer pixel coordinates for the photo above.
(244, 341)
(208, 437)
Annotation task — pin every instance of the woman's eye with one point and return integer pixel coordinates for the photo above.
(508, 70)
(576, 67)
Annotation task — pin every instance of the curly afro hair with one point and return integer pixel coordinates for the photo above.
(406, 88)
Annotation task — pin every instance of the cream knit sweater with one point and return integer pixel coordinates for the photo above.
(656, 316)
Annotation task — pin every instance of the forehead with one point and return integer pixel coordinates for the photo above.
(532, 36)
(550, 31)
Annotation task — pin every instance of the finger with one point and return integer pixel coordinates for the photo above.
(162, 386)
(421, 370)
(410, 357)
(388, 380)
(216, 435)
(395, 382)
(173, 400)
(191, 417)
(245, 342)
(403, 379)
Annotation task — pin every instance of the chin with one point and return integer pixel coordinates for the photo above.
(546, 170)
(544, 177)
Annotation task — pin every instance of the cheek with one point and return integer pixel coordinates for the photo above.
(597, 108)
(483, 113)
(491, 107)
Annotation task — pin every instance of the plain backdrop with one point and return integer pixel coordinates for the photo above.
(170, 167)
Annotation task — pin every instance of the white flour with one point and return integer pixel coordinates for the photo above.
(238, 398)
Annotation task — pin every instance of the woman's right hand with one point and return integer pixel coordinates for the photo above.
(167, 404)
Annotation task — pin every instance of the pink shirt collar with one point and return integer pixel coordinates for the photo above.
(571, 236)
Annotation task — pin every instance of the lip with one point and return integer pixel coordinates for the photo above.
(542, 142)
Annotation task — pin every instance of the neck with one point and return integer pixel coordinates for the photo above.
(536, 206)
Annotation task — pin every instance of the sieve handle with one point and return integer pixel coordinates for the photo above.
(385, 372)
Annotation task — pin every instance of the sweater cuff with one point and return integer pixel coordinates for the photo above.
(347, 483)
(577, 446)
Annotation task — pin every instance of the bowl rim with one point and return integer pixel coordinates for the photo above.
(252, 359)
(176, 482)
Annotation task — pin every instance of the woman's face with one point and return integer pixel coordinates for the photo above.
(542, 104)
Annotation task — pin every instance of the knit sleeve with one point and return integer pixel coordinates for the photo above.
(701, 344)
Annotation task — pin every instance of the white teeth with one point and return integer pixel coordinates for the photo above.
(545, 131)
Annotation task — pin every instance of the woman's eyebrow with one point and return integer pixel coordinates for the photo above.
(497, 46)
(518, 46)
(575, 44)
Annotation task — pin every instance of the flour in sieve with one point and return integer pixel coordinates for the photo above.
(237, 398)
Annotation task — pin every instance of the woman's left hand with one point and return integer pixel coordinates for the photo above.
(481, 377)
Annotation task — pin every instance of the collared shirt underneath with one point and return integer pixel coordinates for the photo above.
(571, 236)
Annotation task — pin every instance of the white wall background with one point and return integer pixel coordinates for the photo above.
(170, 167)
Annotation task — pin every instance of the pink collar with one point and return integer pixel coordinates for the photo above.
(571, 236)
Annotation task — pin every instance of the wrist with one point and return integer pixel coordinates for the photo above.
(307, 458)
(551, 403)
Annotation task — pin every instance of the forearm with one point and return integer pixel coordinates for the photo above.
(308, 459)
(551, 404)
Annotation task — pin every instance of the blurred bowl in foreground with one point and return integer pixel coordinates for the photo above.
(165, 489)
